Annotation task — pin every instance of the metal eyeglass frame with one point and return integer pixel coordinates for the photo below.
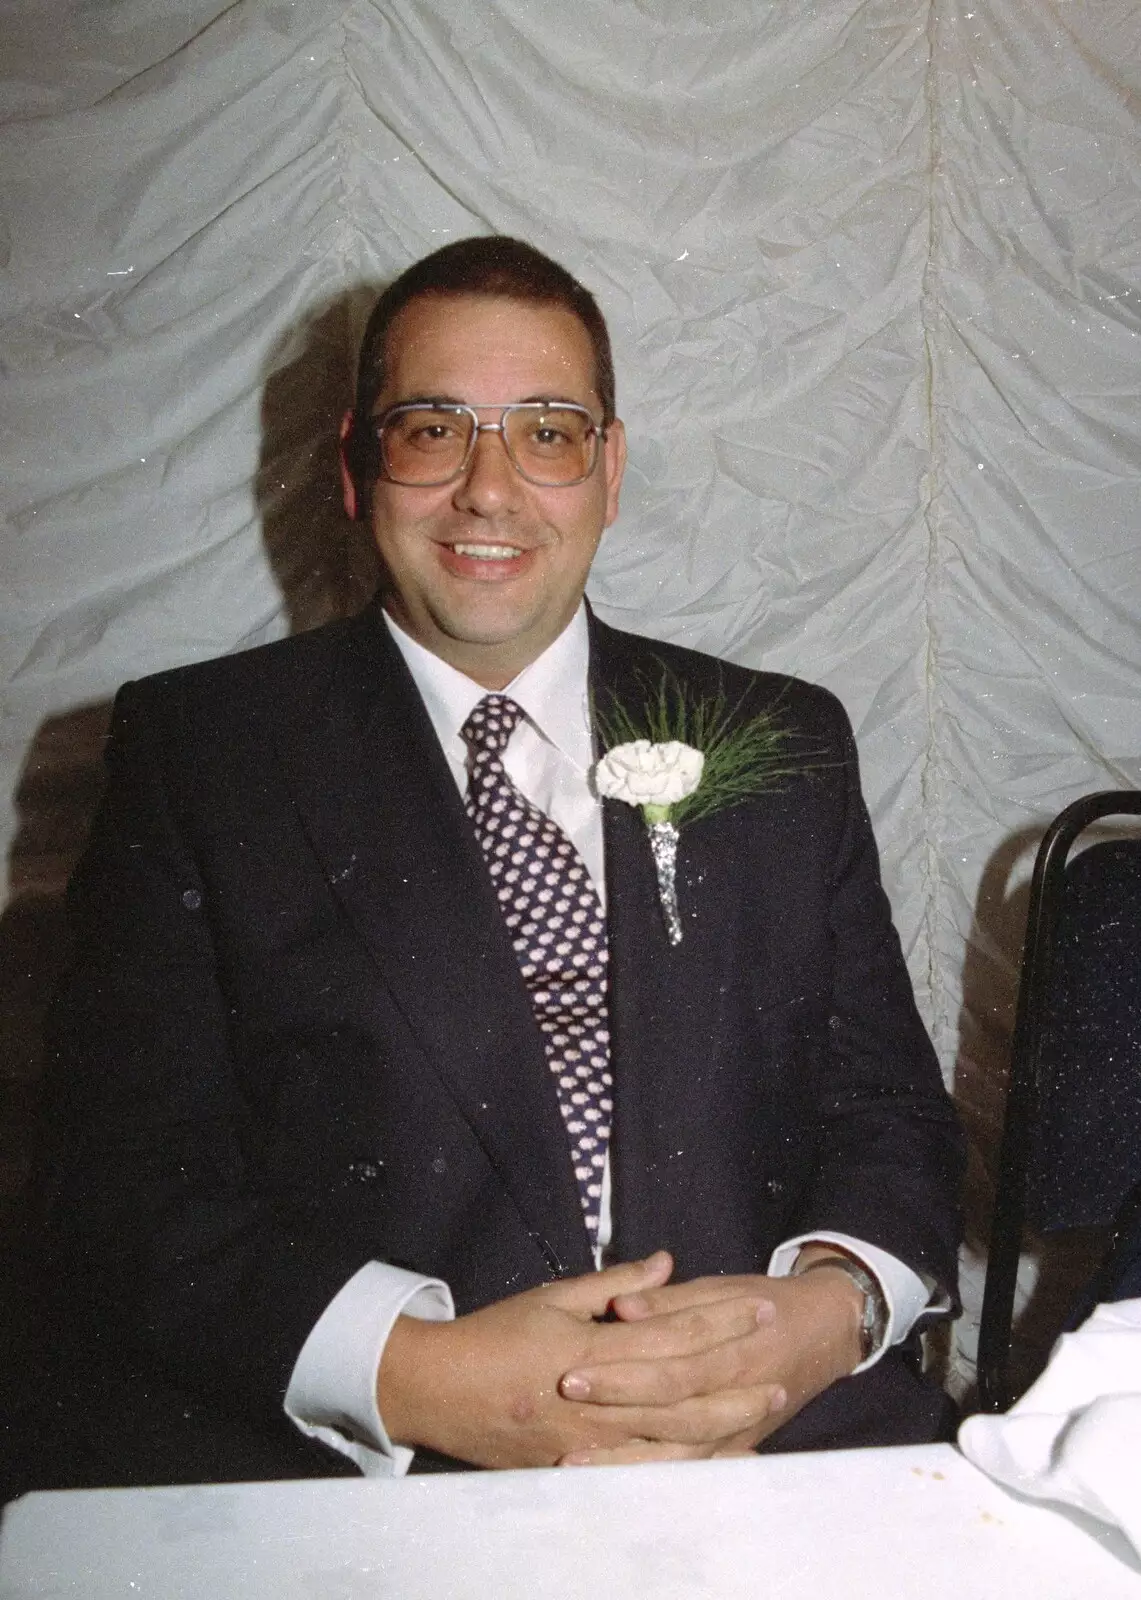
(454, 408)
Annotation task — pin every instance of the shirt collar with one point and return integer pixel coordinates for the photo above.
(552, 690)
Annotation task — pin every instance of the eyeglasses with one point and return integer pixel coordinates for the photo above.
(553, 444)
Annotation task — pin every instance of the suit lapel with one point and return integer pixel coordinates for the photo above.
(666, 1000)
(388, 825)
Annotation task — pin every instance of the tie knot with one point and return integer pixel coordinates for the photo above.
(492, 723)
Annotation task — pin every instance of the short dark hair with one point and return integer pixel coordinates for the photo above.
(490, 265)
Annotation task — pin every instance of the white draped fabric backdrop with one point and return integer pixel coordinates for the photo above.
(873, 271)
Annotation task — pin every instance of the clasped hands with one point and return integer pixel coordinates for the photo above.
(678, 1371)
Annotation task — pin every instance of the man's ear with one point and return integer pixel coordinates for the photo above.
(614, 458)
(354, 502)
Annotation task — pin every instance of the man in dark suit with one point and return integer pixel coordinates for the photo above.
(309, 1100)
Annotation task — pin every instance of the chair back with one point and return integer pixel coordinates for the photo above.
(1085, 1150)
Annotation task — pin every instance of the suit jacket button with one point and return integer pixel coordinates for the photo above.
(774, 1187)
(191, 899)
(439, 1165)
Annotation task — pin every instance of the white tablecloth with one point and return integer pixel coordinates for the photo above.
(1074, 1438)
(858, 1525)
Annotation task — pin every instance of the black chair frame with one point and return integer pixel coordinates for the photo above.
(1024, 1084)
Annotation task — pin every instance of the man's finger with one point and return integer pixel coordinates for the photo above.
(661, 1378)
(672, 1357)
(651, 1300)
(730, 1423)
(636, 1451)
(714, 1420)
(591, 1294)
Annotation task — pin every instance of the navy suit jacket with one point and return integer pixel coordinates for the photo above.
(296, 1039)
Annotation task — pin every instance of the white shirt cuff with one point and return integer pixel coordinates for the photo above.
(332, 1389)
(905, 1293)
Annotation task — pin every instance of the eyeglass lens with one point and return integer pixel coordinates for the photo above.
(428, 445)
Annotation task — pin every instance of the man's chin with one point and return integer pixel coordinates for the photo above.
(486, 647)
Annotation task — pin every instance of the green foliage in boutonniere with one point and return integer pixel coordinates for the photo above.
(744, 753)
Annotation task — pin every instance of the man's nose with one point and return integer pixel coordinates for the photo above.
(490, 484)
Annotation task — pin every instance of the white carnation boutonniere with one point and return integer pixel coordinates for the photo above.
(654, 777)
(679, 758)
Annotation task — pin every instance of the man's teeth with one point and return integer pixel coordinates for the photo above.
(488, 552)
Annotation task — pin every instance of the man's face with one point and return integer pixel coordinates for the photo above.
(487, 570)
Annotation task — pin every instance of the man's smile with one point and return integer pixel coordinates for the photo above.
(480, 562)
(487, 552)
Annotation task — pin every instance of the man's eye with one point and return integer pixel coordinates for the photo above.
(426, 435)
(546, 437)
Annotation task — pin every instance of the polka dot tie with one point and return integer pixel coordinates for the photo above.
(558, 928)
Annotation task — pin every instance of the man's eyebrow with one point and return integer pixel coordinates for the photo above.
(427, 400)
(550, 400)
(454, 400)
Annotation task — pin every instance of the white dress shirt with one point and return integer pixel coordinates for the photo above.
(332, 1391)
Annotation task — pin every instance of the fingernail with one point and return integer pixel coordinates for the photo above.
(766, 1311)
(574, 1386)
(577, 1458)
(654, 1261)
(778, 1400)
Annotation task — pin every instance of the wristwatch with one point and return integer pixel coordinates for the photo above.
(873, 1323)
